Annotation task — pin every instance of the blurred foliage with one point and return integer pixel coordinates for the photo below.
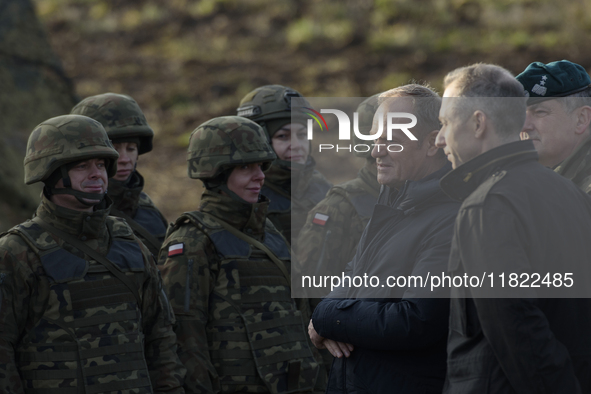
(33, 88)
(186, 61)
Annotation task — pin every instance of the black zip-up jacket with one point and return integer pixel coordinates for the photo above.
(399, 336)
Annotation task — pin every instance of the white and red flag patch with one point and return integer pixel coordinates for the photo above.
(320, 219)
(176, 249)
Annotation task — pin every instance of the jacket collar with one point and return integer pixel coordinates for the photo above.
(578, 164)
(284, 174)
(462, 181)
(248, 218)
(126, 194)
(414, 193)
(83, 225)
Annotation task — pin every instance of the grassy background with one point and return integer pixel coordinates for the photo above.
(188, 61)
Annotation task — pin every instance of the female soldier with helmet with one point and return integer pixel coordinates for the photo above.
(293, 185)
(226, 270)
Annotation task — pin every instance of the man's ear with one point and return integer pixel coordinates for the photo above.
(430, 140)
(583, 115)
(480, 124)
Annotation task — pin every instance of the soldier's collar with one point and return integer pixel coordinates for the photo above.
(570, 167)
(126, 194)
(84, 225)
(246, 217)
(462, 181)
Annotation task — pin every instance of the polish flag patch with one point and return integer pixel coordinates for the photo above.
(176, 249)
(320, 219)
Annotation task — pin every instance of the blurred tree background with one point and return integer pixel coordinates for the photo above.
(186, 61)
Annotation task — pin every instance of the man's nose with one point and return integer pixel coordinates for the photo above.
(440, 140)
(378, 151)
(95, 171)
(527, 127)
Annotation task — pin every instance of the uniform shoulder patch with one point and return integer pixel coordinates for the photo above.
(320, 219)
(176, 249)
(479, 195)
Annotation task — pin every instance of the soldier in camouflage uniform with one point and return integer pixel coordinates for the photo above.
(329, 238)
(270, 107)
(131, 136)
(226, 271)
(82, 308)
(559, 117)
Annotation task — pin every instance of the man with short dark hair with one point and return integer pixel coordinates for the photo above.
(558, 118)
(394, 338)
(517, 219)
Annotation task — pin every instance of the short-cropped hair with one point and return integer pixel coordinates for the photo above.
(426, 104)
(492, 90)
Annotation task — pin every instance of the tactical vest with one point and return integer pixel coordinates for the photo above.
(280, 206)
(89, 339)
(279, 211)
(256, 336)
(147, 223)
(151, 220)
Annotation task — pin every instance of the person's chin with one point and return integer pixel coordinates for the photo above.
(94, 190)
(383, 168)
(122, 176)
(298, 159)
(383, 180)
(91, 202)
(252, 199)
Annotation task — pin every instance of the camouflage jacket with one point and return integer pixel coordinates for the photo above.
(129, 199)
(68, 325)
(577, 167)
(238, 328)
(292, 193)
(329, 239)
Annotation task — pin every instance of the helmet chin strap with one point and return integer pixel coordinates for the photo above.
(224, 188)
(67, 189)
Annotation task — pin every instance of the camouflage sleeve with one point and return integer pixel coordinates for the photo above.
(189, 268)
(328, 240)
(17, 285)
(166, 371)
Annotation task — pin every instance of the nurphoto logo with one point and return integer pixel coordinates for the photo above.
(393, 120)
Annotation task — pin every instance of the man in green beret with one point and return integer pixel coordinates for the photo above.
(558, 118)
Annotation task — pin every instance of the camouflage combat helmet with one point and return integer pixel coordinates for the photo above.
(121, 117)
(269, 105)
(225, 142)
(366, 111)
(63, 140)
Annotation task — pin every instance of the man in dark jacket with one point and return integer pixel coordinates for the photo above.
(522, 222)
(393, 338)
